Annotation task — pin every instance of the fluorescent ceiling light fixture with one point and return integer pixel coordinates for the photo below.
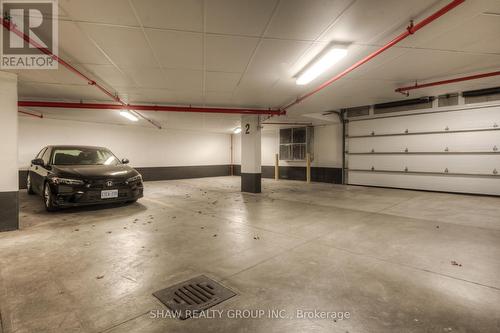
(321, 65)
(128, 115)
(237, 130)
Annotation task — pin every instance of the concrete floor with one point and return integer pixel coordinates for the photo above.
(385, 256)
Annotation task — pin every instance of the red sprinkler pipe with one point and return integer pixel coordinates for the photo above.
(438, 83)
(410, 30)
(11, 27)
(142, 107)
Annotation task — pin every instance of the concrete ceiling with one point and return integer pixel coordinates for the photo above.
(245, 53)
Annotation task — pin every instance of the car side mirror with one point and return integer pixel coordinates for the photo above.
(125, 161)
(38, 161)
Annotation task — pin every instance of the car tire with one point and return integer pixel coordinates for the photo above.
(29, 186)
(48, 198)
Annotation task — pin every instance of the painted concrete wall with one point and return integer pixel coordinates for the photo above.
(149, 147)
(144, 147)
(327, 147)
(8, 130)
(9, 186)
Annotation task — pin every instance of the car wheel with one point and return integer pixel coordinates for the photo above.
(48, 199)
(29, 186)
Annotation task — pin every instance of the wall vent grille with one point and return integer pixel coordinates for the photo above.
(404, 105)
(357, 111)
(448, 100)
(481, 95)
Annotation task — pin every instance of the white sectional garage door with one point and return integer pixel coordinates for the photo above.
(457, 151)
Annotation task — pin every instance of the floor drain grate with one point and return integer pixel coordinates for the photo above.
(196, 294)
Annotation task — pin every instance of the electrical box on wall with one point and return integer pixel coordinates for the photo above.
(296, 142)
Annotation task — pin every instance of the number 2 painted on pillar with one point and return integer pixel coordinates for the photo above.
(247, 128)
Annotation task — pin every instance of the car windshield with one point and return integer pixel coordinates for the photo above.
(83, 156)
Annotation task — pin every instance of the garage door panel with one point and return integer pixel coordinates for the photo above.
(480, 164)
(465, 119)
(465, 162)
(429, 183)
(458, 142)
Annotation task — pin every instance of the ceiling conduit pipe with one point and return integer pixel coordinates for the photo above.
(30, 114)
(410, 30)
(289, 123)
(443, 82)
(142, 107)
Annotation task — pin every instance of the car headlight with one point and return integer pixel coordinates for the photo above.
(66, 181)
(137, 178)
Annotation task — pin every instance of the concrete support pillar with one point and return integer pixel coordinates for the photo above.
(250, 154)
(9, 175)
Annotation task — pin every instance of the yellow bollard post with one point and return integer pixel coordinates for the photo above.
(276, 167)
(308, 167)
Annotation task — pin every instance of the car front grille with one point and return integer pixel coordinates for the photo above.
(101, 184)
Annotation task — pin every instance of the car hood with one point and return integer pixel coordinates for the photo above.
(94, 171)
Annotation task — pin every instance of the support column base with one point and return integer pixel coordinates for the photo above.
(251, 182)
(9, 211)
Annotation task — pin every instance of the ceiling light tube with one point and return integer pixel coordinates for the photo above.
(128, 115)
(321, 65)
(237, 130)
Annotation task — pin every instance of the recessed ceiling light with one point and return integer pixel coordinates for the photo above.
(237, 130)
(321, 65)
(128, 115)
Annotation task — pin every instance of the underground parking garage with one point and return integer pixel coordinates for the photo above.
(250, 166)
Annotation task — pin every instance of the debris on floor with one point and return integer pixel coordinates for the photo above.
(256, 237)
(454, 263)
(77, 229)
(99, 277)
(215, 235)
(108, 232)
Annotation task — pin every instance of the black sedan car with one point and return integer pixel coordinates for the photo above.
(68, 176)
